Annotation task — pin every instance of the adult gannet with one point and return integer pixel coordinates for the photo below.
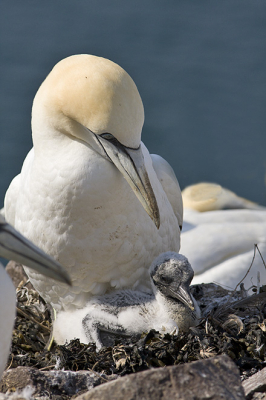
(205, 196)
(220, 243)
(14, 246)
(170, 307)
(88, 193)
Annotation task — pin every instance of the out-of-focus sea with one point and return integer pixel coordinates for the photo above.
(200, 67)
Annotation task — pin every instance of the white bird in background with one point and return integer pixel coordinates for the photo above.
(14, 246)
(219, 242)
(207, 196)
(89, 192)
(128, 312)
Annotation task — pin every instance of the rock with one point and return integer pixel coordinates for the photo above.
(24, 394)
(259, 396)
(216, 378)
(256, 385)
(59, 384)
(17, 274)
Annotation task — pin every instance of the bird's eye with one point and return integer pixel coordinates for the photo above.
(166, 279)
(107, 136)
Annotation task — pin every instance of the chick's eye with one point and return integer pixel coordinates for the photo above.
(166, 279)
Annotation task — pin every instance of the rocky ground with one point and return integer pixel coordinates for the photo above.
(233, 325)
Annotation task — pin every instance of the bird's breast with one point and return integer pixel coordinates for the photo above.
(81, 210)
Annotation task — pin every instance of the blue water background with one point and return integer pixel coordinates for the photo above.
(200, 67)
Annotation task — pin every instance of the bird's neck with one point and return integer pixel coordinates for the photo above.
(170, 305)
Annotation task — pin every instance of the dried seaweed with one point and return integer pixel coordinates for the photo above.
(232, 324)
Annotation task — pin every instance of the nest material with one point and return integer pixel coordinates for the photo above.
(232, 324)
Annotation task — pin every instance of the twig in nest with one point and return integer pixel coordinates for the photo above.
(106, 378)
(253, 259)
(95, 365)
(51, 336)
(26, 315)
(261, 255)
(47, 367)
(252, 262)
(206, 326)
(258, 282)
(12, 358)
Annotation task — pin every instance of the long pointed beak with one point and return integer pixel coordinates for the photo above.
(183, 294)
(130, 163)
(14, 246)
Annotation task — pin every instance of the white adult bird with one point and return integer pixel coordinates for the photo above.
(171, 307)
(220, 243)
(89, 192)
(14, 246)
(205, 196)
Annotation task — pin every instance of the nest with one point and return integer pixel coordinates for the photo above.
(232, 324)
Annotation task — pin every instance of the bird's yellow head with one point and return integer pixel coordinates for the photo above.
(96, 93)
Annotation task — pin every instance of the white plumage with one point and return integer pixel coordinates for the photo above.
(7, 316)
(127, 312)
(16, 247)
(88, 193)
(220, 243)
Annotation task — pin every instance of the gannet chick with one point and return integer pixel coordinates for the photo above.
(89, 193)
(14, 246)
(220, 243)
(170, 307)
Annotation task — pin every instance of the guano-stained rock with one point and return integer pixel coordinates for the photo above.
(59, 385)
(216, 378)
